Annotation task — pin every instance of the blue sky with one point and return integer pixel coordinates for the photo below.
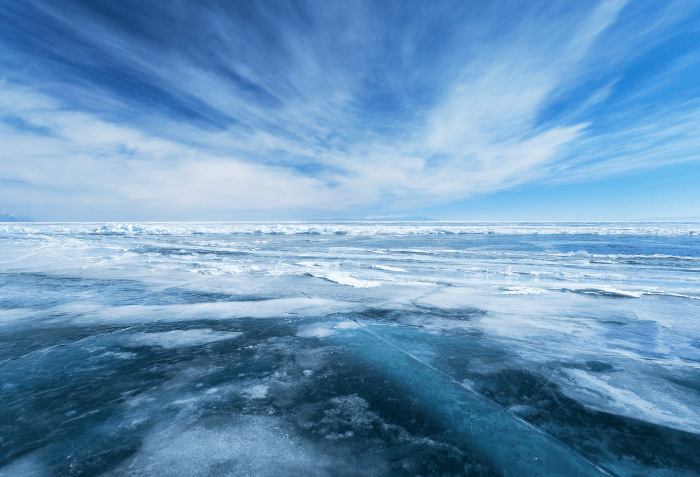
(457, 110)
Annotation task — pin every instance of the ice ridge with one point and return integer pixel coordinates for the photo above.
(354, 228)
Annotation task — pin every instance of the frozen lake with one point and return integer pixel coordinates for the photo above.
(350, 349)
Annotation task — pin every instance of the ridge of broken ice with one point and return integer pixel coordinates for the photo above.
(344, 279)
(356, 228)
(388, 269)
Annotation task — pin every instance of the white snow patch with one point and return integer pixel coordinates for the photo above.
(247, 445)
(422, 284)
(313, 264)
(388, 269)
(347, 280)
(321, 330)
(658, 409)
(315, 331)
(179, 338)
(523, 291)
(258, 391)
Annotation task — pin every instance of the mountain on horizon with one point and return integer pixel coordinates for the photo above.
(8, 217)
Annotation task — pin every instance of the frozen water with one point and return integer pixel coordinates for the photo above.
(350, 349)
(177, 338)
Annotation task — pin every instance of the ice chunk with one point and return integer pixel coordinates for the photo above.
(343, 279)
(604, 290)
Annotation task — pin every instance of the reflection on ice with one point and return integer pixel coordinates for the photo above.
(318, 349)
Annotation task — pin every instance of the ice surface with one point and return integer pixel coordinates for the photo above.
(178, 338)
(350, 349)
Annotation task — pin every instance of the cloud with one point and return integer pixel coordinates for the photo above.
(86, 159)
(281, 107)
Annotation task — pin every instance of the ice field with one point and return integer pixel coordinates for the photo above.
(350, 349)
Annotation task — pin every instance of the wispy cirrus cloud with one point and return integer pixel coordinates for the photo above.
(186, 107)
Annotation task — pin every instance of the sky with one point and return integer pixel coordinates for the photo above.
(341, 109)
